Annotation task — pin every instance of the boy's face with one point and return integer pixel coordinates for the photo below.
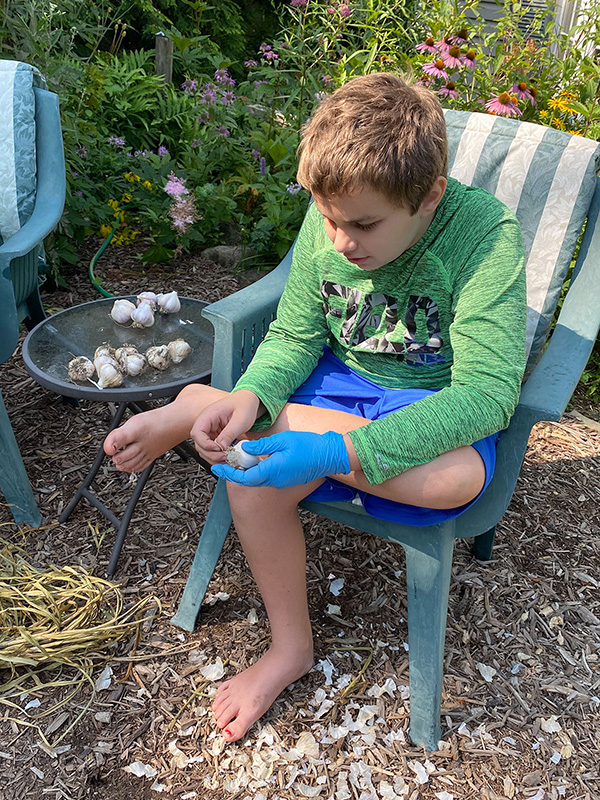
(368, 229)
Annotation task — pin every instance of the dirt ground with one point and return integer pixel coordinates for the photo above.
(521, 696)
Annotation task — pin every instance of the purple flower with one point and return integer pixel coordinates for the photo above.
(256, 154)
(452, 57)
(504, 105)
(428, 46)
(271, 55)
(223, 131)
(449, 90)
(222, 76)
(523, 92)
(262, 165)
(258, 83)
(228, 98)
(175, 186)
(162, 151)
(298, 3)
(116, 141)
(189, 85)
(183, 213)
(436, 68)
(251, 63)
(82, 151)
(209, 93)
(293, 187)
(264, 48)
(196, 143)
(204, 118)
(143, 153)
(327, 80)
(344, 10)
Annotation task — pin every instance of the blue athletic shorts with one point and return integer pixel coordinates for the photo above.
(334, 385)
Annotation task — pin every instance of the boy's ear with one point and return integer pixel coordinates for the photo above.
(432, 201)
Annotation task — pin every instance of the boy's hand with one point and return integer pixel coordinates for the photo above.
(295, 458)
(224, 421)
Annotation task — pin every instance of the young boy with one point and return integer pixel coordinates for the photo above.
(396, 357)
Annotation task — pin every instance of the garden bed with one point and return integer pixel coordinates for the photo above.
(521, 705)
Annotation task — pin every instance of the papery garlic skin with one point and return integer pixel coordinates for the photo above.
(168, 303)
(147, 297)
(135, 364)
(178, 350)
(143, 316)
(109, 376)
(121, 311)
(104, 350)
(121, 354)
(239, 459)
(158, 356)
(80, 369)
(103, 360)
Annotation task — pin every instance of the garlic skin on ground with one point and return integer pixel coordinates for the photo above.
(178, 350)
(143, 316)
(168, 303)
(147, 297)
(238, 458)
(121, 311)
(109, 376)
(158, 356)
(80, 369)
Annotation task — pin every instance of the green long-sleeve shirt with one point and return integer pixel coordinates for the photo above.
(448, 314)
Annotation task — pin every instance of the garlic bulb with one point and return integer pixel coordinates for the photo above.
(105, 350)
(143, 316)
(147, 297)
(238, 458)
(178, 350)
(168, 303)
(121, 311)
(122, 352)
(109, 376)
(80, 369)
(104, 359)
(158, 356)
(134, 364)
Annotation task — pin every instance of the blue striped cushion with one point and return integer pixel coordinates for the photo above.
(17, 153)
(547, 177)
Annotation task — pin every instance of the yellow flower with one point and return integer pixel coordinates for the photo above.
(113, 204)
(575, 133)
(126, 198)
(558, 123)
(543, 112)
(131, 177)
(105, 230)
(560, 104)
(147, 185)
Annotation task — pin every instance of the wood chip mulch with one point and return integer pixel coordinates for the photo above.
(521, 701)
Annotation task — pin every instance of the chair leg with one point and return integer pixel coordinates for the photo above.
(428, 566)
(209, 548)
(14, 482)
(482, 545)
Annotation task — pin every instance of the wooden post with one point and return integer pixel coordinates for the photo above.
(163, 49)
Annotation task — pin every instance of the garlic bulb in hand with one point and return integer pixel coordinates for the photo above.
(143, 316)
(80, 369)
(238, 458)
(158, 356)
(178, 350)
(109, 376)
(121, 311)
(147, 297)
(168, 303)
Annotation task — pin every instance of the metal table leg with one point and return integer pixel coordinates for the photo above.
(184, 450)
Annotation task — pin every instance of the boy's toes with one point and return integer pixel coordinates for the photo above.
(237, 728)
(115, 441)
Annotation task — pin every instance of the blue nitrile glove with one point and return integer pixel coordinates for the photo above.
(297, 458)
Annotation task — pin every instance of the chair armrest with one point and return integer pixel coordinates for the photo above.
(241, 322)
(51, 182)
(553, 381)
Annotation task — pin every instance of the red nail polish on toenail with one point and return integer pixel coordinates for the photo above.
(116, 448)
(228, 732)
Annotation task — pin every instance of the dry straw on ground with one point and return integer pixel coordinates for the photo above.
(521, 697)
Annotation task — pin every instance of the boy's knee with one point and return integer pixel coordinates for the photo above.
(461, 484)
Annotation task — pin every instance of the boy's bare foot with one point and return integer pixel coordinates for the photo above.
(241, 701)
(144, 437)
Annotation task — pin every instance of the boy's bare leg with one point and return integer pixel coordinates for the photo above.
(146, 436)
(271, 535)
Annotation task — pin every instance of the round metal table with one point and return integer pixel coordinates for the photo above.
(78, 331)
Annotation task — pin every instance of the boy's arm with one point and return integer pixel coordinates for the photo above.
(294, 342)
(488, 341)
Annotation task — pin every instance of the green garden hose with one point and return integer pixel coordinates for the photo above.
(96, 256)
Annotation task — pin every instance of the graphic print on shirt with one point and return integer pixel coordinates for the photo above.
(357, 319)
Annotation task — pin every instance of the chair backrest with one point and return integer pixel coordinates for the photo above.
(547, 178)
(18, 152)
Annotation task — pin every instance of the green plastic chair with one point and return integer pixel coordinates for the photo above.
(549, 179)
(32, 197)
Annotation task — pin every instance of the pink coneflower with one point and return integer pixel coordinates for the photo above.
(428, 46)
(449, 90)
(524, 92)
(452, 57)
(444, 44)
(460, 37)
(504, 105)
(468, 59)
(436, 69)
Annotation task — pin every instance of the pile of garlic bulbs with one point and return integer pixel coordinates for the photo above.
(112, 364)
(142, 314)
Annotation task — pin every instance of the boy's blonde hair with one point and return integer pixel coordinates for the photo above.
(377, 131)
